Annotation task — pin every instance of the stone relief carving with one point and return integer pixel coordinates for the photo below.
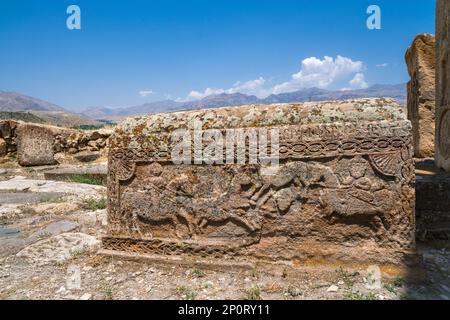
(333, 186)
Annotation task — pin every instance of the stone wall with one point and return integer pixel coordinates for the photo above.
(37, 144)
(421, 59)
(442, 85)
(343, 190)
(8, 135)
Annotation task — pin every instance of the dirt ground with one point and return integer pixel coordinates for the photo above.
(49, 237)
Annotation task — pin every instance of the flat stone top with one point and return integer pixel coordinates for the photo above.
(93, 169)
(353, 111)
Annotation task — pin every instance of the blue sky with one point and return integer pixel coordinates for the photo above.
(135, 51)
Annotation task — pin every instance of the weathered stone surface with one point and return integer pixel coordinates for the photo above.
(9, 232)
(6, 128)
(98, 172)
(421, 60)
(8, 134)
(343, 192)
(3, 147)
(58, 248)
(85, 146)
(442, 85)
(20, 184)
(28, 197)
(35, 145)
(55, 228)
(12, 245)
(87, 156)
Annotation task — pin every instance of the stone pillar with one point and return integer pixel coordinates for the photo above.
(442, 85)
(420, 58)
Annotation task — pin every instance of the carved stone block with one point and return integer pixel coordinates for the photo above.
(342, 190)
(442, 85)
(34, 145)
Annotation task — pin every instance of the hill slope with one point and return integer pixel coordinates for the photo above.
(17, 106)
(12, 101)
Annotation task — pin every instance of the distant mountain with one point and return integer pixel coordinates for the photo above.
(213, 101)
(12, 101)
(118, 113)
(152, 107)
(221, 100)
(397, 92)
(309, 94)
(21, 107)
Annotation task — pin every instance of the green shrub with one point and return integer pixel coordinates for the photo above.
(87, 179)
(94, 204)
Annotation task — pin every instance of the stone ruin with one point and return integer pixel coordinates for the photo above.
(442, 85)
(38, 144)
(343, 191)
(427, 59)
(35, 145)
(421, 59)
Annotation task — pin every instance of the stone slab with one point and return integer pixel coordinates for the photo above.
(343, 191)
(28, 197)
(9, 232)
(55, 228)
(290, 270)
(21, 184)
(65, 174)
(58, 249)
(12, 245)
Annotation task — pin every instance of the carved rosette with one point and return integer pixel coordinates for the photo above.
(119, 170)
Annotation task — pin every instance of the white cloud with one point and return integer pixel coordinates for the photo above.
(251, 87)
(196, 95)
(314, 72)
(358, 82)
(145, 93)
(382, 65)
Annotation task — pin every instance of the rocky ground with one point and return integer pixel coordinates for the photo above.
(49, 237)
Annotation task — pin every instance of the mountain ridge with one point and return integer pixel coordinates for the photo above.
(16, 102)
(18, 106)
(12, 101)
(397, 92)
